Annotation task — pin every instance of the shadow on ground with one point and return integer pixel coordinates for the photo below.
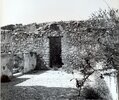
(12, 92)
(28, 87)
(9, 91)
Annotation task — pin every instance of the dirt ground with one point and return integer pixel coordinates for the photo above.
(42, 85)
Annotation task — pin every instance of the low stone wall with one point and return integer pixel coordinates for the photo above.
(111, 82)
(6, 65)
(118, 85)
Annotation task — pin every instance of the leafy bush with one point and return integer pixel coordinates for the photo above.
(5, 78)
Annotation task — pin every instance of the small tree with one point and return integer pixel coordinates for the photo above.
(104, 27)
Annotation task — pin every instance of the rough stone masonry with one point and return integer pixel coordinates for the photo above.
(49, 45)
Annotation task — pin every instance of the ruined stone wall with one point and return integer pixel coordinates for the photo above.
(78, 38)
(30, 38)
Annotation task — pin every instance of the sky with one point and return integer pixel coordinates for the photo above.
(30, 11)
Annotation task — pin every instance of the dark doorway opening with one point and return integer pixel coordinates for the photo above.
(55, 52)
(40, 63)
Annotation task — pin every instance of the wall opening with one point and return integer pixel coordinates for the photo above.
(40, 63)
(55, 52)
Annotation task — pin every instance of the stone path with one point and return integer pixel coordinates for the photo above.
(43, 85)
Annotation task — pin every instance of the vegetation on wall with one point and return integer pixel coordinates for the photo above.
(99, 44)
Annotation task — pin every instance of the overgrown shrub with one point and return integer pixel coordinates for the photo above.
(5, 78)
(90, 93)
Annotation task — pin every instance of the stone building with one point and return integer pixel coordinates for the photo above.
(49, 45)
